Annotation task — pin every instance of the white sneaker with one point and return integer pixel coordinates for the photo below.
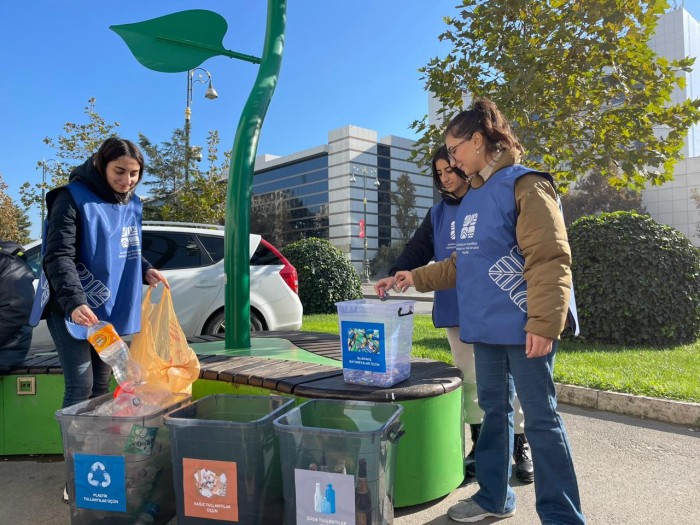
(468, 511)
(65, 494)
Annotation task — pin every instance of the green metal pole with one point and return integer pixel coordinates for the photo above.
(240, 181)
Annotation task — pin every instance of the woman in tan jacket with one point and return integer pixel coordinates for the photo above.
(512, 272)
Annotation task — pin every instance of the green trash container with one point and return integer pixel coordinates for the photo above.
(117, 465)
(338, 461)
(225, 458)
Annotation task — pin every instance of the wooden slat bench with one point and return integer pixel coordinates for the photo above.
(429, 458)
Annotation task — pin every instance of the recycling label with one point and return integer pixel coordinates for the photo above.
(100, 482)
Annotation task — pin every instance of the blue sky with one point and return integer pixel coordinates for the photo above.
(351, 62)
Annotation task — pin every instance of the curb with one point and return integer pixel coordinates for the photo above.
(665, 410)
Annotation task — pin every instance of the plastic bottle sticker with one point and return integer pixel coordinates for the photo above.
(210, 488)
(324, 498)
(363, 346)
(100, 482)
(141, 440)
(104, 337)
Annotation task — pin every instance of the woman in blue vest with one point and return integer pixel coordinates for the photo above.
(92, 264)
(512, 269)
(435, 240)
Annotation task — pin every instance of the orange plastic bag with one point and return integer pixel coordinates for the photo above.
(161, 347)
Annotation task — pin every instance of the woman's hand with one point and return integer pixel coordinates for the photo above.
(153, 277)
(383, 285)
(404, 280)
(537, 346)
(82, 315)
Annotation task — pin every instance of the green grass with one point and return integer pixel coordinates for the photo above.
(672, 373)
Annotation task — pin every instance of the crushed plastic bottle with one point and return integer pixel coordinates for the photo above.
(114, 351)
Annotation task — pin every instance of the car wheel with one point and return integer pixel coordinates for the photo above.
(216, 325)
(255, 323)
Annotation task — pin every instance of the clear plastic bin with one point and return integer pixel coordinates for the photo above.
(323, 444)
(225, 458)
(116, 466)
(375, 341)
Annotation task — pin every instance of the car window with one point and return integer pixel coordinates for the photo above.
(214, 245)
(33, 258)
(170, 250)
(264, 256)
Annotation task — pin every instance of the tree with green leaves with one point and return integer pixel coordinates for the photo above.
(14, 222)
(201, 198)
(404, 203)
(78, 142)
(577, 80)
(593, 195)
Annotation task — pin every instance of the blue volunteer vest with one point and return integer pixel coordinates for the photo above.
(445, 308)
(490, 263)
(108, 262)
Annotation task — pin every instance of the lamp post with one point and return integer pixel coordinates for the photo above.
(210, 94)
(364, 171)
(43, 189)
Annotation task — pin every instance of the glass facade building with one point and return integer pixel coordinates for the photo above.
(320, 192)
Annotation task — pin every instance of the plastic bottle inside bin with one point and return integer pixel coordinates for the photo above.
(114, 351)
(148, 514)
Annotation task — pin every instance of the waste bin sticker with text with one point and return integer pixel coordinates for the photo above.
(100, 482)
(363, 346)
(324, 498)
(210, 488)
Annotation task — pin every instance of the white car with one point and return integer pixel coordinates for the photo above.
(191, 256)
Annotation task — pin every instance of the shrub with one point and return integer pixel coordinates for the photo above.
(325, 275)
(636, 281)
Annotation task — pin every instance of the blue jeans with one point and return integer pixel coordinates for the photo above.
(85, 374)
(500, 370)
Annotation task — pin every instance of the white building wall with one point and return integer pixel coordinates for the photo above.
(678, 36)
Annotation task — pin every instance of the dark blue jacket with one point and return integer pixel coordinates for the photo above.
(16, 298)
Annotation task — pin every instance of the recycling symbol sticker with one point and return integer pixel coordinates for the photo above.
(98, 475)
(100, 482)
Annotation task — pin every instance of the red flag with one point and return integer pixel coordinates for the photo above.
(362, 229)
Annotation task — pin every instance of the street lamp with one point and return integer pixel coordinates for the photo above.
(210, 94)
(43, 188)
(364, 171)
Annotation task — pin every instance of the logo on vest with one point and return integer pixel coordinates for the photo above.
(95, 290)
(469, 226)
(507, 273)
(453, 234)
(130, 236)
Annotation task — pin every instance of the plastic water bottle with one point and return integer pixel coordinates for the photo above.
(113, 351)
(148, 515)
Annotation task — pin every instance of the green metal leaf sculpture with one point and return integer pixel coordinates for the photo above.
(176, 42)
(180, 42)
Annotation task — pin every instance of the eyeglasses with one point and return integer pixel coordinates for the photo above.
(453, 149)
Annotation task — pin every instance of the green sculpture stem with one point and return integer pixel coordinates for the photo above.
(240, 181)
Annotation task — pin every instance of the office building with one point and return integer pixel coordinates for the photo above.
(678, 36)
(312, 194)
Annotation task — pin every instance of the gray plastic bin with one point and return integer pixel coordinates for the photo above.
(225, 457)
(115, 466)
(322, 443)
